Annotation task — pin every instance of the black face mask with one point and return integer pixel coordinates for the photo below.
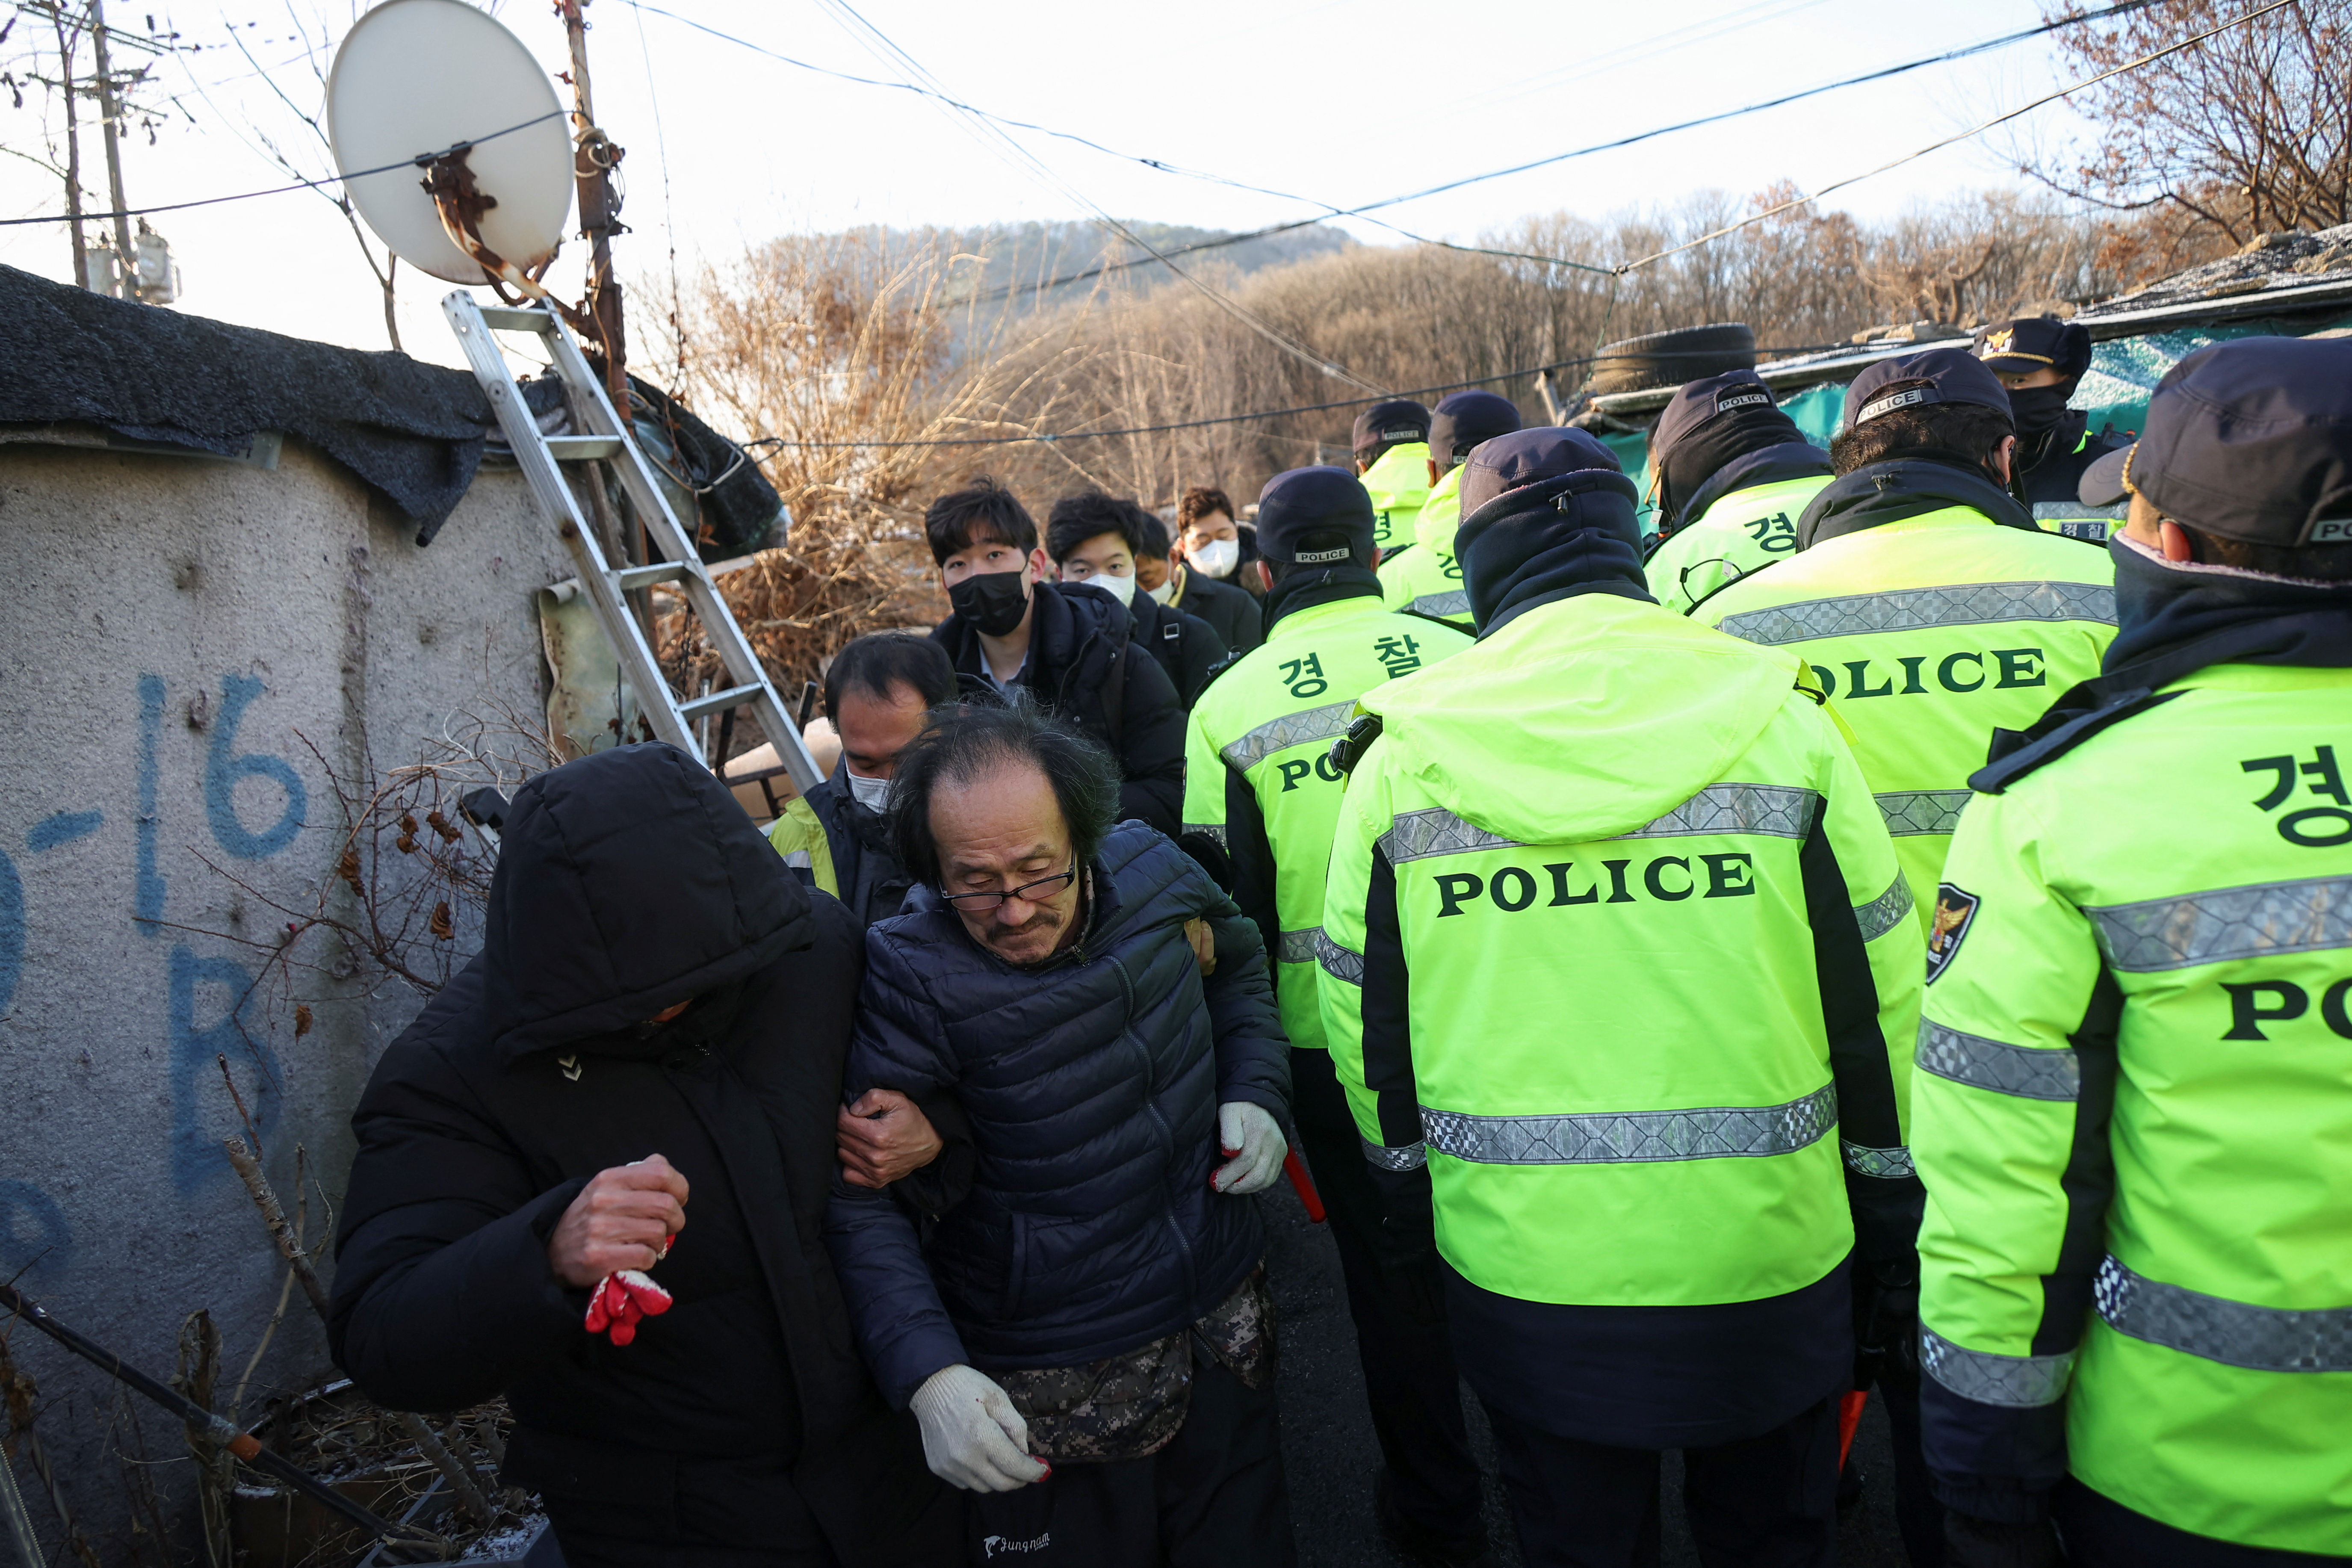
(992, 601)
(2033, 409)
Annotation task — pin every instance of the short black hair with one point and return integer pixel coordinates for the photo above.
(967, 743)
(1088, 514)
(983, 513)
(1152, 541)
(880, 660)
(1966, 433)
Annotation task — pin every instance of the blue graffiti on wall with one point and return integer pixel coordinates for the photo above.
(201, 1114)
(33, 1236)
(224, 767)
(147, 901)
(12, 933)
(62, 828)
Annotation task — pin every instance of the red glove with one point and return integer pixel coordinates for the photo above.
(624, 1298)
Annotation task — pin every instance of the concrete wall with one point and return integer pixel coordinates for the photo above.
(186, 641)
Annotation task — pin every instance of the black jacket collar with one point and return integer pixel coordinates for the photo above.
(1305, 589)
(2176, 621)
(1904, 489)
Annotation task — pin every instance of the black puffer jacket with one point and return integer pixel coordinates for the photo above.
(629, 881)
(1186, 647)
(1083, 668)
(1092, 1083)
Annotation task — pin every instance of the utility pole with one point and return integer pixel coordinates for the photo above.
(73, 144)
(594, 158)
(111, 109)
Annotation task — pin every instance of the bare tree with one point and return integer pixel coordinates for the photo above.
(2248, 133)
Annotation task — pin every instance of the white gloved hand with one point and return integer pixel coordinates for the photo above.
(1255, 1143)
(973, 1437)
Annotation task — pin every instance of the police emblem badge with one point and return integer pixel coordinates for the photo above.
(1956, 910)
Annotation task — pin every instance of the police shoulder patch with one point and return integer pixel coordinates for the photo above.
(1956, 910)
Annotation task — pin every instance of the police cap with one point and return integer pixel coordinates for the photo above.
(2035, 343)
(1514, 461)
(1385, 425)
(1467, 418)
(1315, 517)
(2252, 440)
(1736, 393)
(1914, 381)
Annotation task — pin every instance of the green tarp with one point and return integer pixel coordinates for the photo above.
(2115, 390)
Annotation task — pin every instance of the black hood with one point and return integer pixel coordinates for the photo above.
(1799, 459)
(1573, 533)
(2173, 620)
(627, 882)
(1305, 588)
(1903, 489)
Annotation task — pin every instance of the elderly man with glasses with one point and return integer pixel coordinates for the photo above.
(1085, 1338)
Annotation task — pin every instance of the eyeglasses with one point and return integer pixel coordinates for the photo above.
(1029, 892)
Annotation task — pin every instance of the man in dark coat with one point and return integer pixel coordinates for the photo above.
(879, 691)
(1232, 613)
(653, 1033)
(1092, 540)
(1014, 634)
(1087, 1338)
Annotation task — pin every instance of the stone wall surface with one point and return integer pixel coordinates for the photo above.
(192, 649)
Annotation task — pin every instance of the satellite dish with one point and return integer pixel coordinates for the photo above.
(414, 77)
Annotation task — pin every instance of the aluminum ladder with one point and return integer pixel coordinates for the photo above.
(600, 434)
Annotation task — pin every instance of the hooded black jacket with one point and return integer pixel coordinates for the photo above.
(1084, 670)
(629, 881)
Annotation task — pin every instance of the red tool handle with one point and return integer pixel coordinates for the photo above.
(1296, 1169)
(1849, 1417)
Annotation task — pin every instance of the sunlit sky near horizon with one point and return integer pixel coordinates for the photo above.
(1335, 101)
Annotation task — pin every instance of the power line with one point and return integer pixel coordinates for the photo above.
(984, 125)
(417, 162)
(1882, 74)
(1267, 413)
(2001, 119)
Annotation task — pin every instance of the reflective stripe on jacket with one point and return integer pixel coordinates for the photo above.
(1615, 942)
(1740, 533)
(1927, 634)
(1259, 776)
(2135, 1118)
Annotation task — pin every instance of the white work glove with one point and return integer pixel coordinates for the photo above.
(1255, 1146)
(973, 1437)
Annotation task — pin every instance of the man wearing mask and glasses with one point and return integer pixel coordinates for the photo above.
(2040, 359)
(1085, 1338)
(1014, 633)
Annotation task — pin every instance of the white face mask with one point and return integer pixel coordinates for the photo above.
(1165, 592)
(1218, 557)
(869, 792)
(1118, 587)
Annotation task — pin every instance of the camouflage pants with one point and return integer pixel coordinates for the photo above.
(1132, 1404)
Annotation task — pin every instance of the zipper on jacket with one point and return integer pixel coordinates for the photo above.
(1167, 1137)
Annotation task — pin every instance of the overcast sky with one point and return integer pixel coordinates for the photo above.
(1337, 101)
